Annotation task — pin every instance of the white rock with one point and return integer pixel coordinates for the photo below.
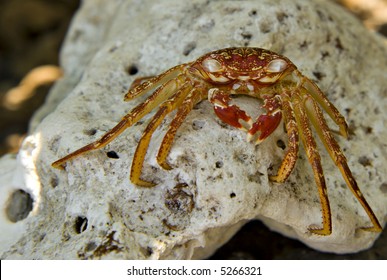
(91, 210)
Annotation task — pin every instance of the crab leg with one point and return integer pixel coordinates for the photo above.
(332, 111)
(290, 158)
(140, 87)
(128, 120)
(138, 81)
(165, 108)
(192, 99)
(315, 161)
(318, 121)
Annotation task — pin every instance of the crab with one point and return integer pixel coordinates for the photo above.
(217, 77)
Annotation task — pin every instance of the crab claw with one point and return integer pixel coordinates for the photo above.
(230, 114)
(265, 124)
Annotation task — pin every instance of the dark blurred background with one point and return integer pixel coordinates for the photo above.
(31, 34)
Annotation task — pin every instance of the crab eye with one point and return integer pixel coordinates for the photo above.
(276, 66)
(211, 65)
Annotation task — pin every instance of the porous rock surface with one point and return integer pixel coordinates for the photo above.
(219, 181)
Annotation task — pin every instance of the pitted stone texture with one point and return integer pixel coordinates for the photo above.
(219, 181)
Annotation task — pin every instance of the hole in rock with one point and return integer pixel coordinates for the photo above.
(319, 75)
(368, 130)
(365, 161)
(281, 144)
(232, 195)
(253, 13)
(338, 45)
(383, 29)
(281, 16)
(189, 48)
(54, 182)
(149, 251)
(247, 35)
(304, 45)
(91, 246)
(383, 188)
(112, 154)
(80, 224)
(90, 132)
(19, 206)
(132, 70)
(219, 164)
(198, 124)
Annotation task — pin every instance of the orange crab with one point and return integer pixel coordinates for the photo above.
(221, 74)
